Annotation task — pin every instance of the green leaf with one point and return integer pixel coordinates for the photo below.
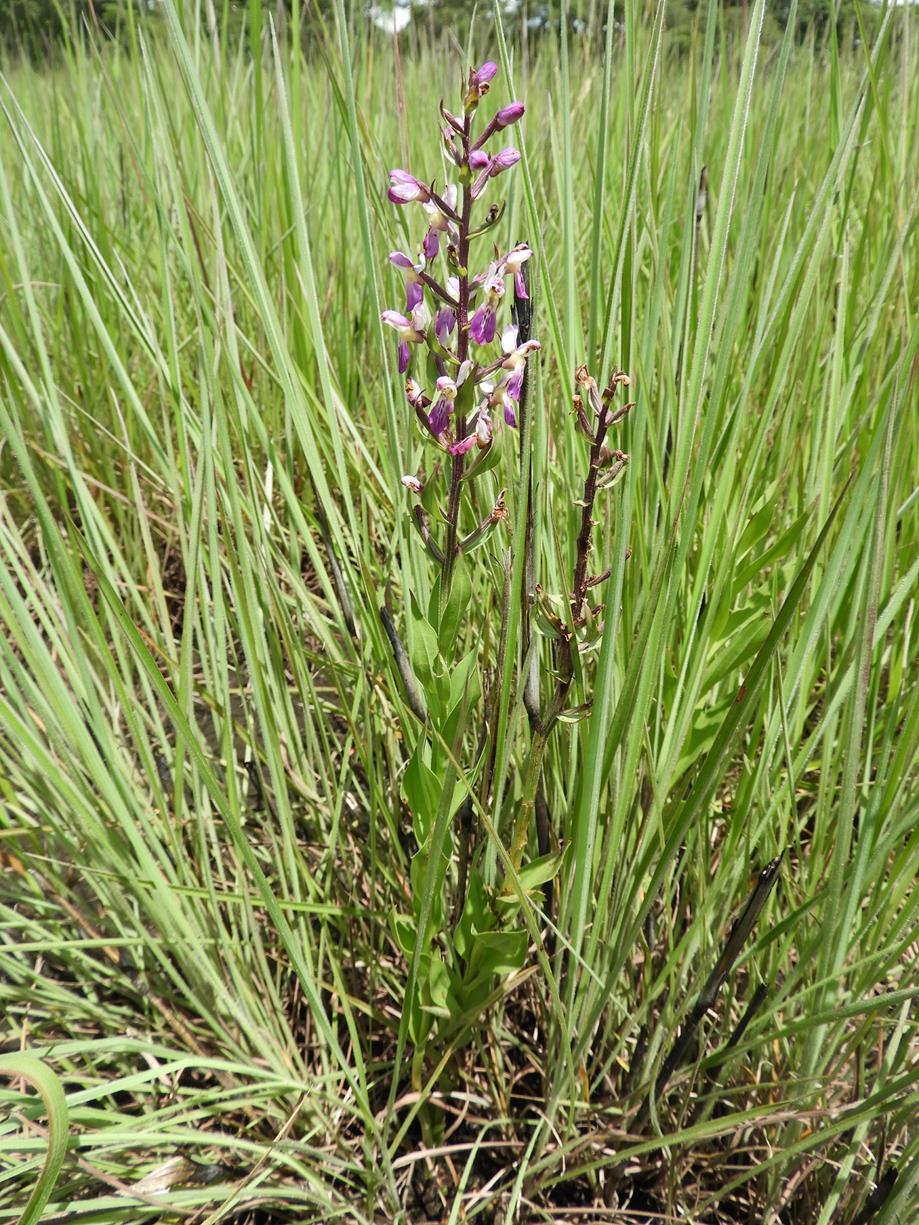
(455, 608)
(775, 552)
(539, 871)
(477, 916)
(757, 528)
(422, 789)
(424, 646)
(498, 953)
(405, 933)
(27, 1067)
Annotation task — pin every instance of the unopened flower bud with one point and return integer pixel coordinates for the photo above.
(484, 75)
(509, 114)
(504, 160)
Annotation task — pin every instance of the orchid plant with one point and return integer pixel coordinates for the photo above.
(465, 355)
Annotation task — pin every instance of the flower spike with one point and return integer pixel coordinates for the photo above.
(454, 316)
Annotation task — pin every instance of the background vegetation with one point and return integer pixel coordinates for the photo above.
(36, 27)
(204, 835)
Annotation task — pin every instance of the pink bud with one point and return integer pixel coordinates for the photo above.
(504, 160)
(509, 114)
(485, 74)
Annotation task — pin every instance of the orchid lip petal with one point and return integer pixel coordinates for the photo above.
(437, 419)
(444, 323)
(431, 244)
(482, 324)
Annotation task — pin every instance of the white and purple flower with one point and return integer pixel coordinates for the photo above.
(513, 262)
(414, 292)
(483, 323)
(516, 359)
(410, 329)
(445, 319)
(502, 398)
(439, 222)
(404, 188)
(443, 405)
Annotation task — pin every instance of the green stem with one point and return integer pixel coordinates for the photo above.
(528, 799)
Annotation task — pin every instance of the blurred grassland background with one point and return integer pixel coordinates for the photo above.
(203, 841)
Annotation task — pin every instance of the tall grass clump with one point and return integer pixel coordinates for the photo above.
(492, 797)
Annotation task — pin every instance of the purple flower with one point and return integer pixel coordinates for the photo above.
(443, 405)
(444, 323)
(509, 114)
(439, 223)
(483, 323)
(484, 75)
(502, 399)
(404, 188)
(412, 483)
(445, 319)
(478, 159)
(413, 290)
(409, 329)
(513, 262)
(516, 360)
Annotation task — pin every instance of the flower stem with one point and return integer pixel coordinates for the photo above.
(462, 352)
